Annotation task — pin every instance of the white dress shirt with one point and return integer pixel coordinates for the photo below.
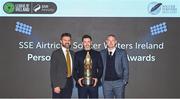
(112, 50)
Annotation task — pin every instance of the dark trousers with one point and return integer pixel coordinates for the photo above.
(66, 92)
(88, 91)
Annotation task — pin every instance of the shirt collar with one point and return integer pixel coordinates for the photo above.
(112, 50)
(63, 48)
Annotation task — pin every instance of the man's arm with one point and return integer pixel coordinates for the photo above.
(75, 67)
(53, 70)
(100, 67)
(76, 72)
(125, 67)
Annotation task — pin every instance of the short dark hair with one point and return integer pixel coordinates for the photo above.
(111, 35)
(65, 34)
(86, 36)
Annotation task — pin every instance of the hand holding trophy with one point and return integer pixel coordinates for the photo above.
(87, 78)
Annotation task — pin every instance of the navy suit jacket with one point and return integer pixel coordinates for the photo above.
(97, 66)
(121, 63)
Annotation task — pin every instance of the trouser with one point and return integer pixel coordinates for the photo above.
(113, 89)
(88, 91)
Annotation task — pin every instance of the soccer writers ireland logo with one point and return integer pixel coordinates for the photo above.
(154, 8)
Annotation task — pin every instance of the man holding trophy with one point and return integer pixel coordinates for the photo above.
(88, 69)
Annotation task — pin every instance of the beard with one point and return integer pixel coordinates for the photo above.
(87, 47)
(66, 45)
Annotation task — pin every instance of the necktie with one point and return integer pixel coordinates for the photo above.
(110, 53)
(68, 62)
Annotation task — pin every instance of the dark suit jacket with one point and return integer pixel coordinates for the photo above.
(97, 66)
(58, 68)
(121, 63)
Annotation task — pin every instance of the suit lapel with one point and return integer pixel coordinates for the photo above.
(62, 56)
(72, 54)
(104, 57)
(61, 53)
(116, 58)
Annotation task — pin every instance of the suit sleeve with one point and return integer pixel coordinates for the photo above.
(100, 66)
(53, 71)
(125, 67)
(75, 68)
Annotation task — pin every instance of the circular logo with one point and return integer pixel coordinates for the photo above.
(154, 8)
(9, 7)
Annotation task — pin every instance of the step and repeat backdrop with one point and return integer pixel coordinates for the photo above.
(149, 32)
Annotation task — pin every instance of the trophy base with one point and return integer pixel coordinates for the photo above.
(88, 82)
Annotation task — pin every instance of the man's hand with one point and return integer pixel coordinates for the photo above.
(125, 83)
(80, 81)
(57, 90)
(95, 81)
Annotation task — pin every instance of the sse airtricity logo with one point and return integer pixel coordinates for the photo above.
(154, 8)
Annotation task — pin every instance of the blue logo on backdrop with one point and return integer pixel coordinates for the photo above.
(158, 28)
(23, 28)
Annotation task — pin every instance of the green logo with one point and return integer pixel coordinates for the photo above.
(9, 7)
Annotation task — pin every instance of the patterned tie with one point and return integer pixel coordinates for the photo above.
(68, 62)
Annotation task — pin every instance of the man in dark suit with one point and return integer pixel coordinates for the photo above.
(97, 69)
(61, 69)
(116, 69)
